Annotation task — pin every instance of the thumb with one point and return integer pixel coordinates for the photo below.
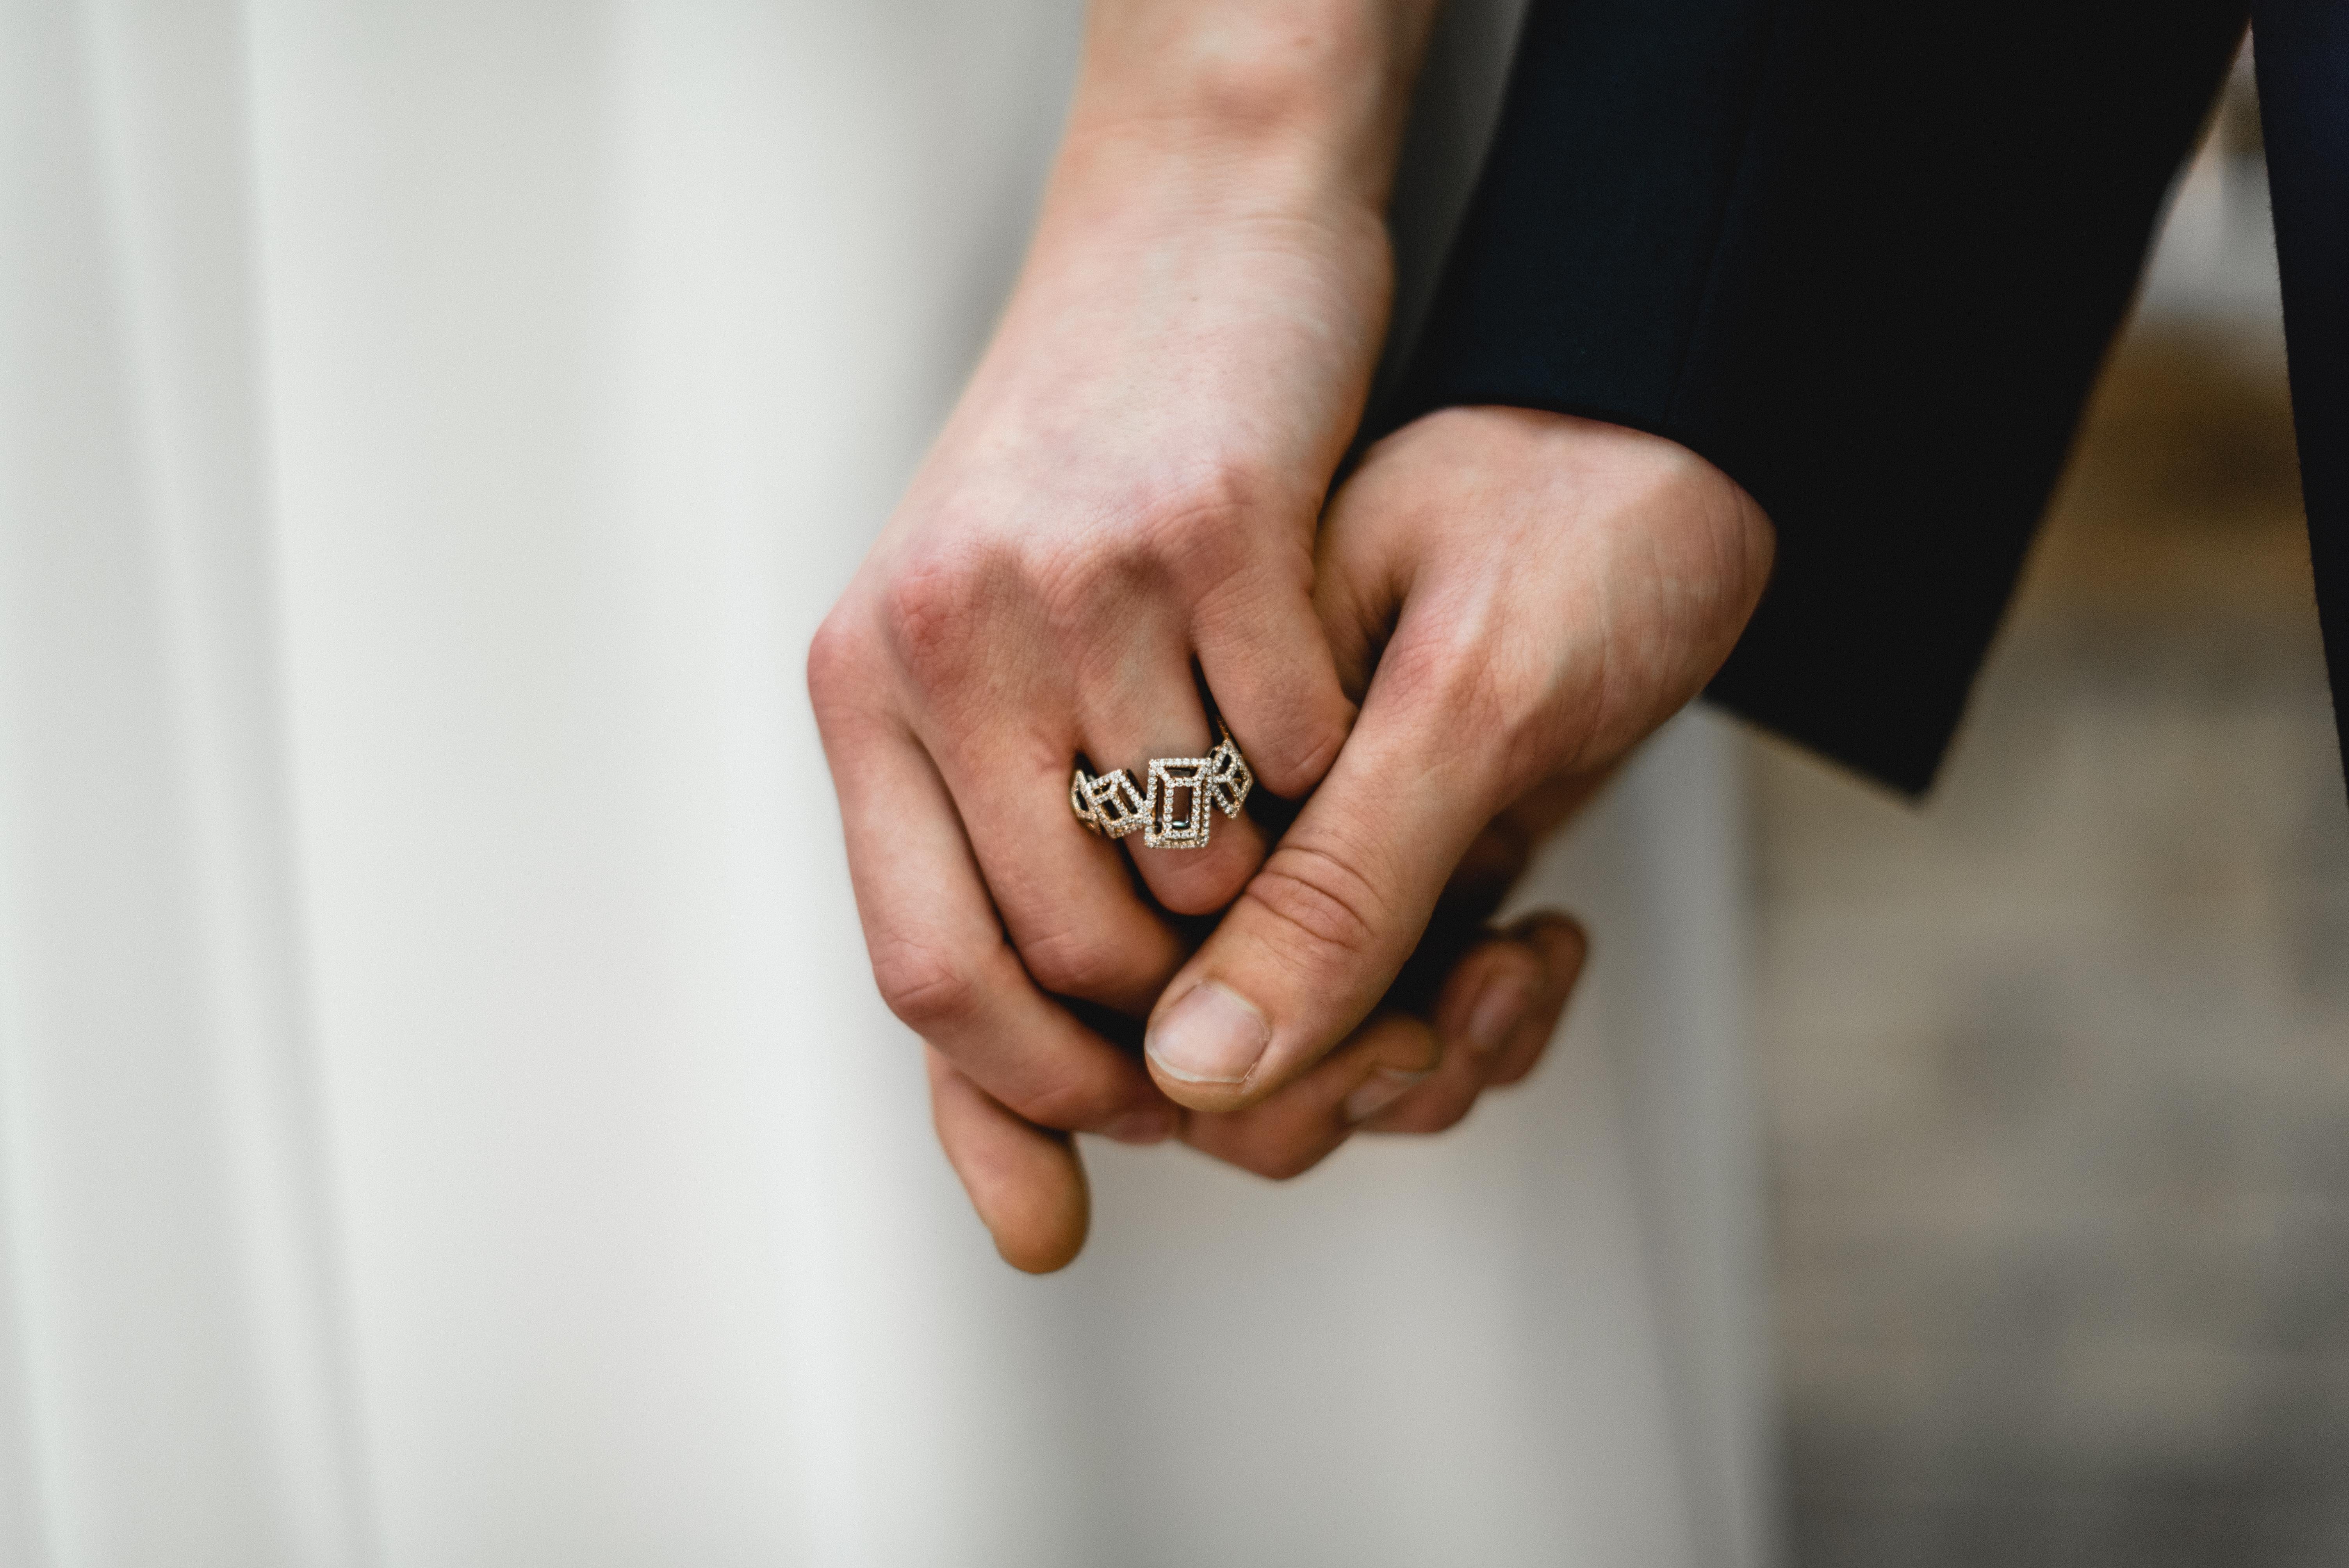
(1318, 933)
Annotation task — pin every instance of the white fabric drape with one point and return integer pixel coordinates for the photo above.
(444, 1115)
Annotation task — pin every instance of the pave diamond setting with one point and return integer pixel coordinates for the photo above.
(1109, 804)
(1176, 812)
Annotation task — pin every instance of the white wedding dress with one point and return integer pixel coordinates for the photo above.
(445, 1117)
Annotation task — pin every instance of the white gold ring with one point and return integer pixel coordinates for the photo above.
(1173, 812)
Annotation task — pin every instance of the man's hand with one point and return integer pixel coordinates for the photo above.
(1127, 492)
(1517, 599)
(1474, 1008)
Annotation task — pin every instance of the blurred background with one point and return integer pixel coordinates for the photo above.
(2058, 1064)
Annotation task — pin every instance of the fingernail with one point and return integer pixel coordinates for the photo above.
(1151, 1124)
(1211, 1035)
(1498, 1010)
(1384, 1088)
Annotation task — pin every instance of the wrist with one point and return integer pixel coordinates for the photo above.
(1280, 103)
(1207, 288)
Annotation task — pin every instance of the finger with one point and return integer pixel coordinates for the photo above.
(1065, 895)
(940, 957)
(1366, 561)
(1483, 999)
(1502, 998)
(1565, 949)
(1498, 1014)
(1296, 1128)
(1147, 707)
(1354, 595)
(1025, 1181)
(1323, 928)
(1461, 923)
(1265, 656)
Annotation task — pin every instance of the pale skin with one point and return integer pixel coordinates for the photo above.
(1133, 497)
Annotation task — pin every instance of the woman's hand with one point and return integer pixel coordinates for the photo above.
(1519, 598)
(1126, 493)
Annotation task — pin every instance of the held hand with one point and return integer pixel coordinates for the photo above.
(1474, 1008)
(1519, 598)
(1127, 493)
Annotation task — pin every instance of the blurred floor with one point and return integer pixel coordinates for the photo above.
(2059, 1063)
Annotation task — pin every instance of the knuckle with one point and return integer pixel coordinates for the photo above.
(936, 610)
(1198, 885)
(1202, 530)
(1066, 1104)
(1074, 963)
(1084, 592)
(1176, 536)
(1293, 757)
(927, 990)
(837, 666)
(1179, 538)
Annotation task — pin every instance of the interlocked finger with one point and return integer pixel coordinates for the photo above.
(944, 967)
(1067, 899)
(1175, 811)
(1026, 1182)
(1565, 949)
(1152, 750)
(1486, 1001)
(1297, 1128)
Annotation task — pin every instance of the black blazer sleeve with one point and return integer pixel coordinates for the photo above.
(2304, 66)
(1864, 256)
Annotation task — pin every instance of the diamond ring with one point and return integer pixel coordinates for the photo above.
(1173, 812)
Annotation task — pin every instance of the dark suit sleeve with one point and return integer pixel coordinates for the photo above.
(1867, 258)
(2303, 67)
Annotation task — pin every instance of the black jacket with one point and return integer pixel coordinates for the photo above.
(1867, 257)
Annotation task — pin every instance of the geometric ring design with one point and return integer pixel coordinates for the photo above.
(1172, 811)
